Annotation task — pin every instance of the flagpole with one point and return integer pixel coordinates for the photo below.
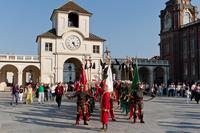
(109, 78)
(90, 61)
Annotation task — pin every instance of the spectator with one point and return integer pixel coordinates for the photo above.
(21, 92)
(15, 94)
(41, 94)
(59, 92)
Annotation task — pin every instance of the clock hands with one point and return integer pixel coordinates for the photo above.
(73, 44)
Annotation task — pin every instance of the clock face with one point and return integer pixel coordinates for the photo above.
(73, 42)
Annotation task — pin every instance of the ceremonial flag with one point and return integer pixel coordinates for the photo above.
(83, 79)
(136, 78)
(109, 79)
(102, 64)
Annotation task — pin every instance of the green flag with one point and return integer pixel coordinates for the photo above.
(136, 78)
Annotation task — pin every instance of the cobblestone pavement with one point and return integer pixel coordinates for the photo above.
(162, 115)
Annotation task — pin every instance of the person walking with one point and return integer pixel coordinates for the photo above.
(105, 108)
(139, 105)
(197, 93)
(188, 94)
(14, 94)
(41, 94)
(29, 98)
(21, 92)
(82, 99)
(59, 91)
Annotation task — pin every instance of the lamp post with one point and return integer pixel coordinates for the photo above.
(90, 67)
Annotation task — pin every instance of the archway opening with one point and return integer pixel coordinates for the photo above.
(73, 20)
(9, 75)
(144, 74)
(159, 75)
(71, 70)
(31, 74)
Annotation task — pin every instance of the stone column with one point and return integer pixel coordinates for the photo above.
(166, 73)
(20, 73)
(60, 74)
(151, 76)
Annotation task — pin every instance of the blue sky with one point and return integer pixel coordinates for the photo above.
(131, 27)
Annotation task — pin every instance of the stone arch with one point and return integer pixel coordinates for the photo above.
(9, 74)
(30, 74)
(159, 74)
(71, 70)
(144, 74)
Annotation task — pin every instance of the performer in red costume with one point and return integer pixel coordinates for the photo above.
(105, 107)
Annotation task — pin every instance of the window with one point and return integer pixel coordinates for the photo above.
(167, 49)
(193, 69)
(186, 18)
(96, 49)
(185, 69)
(167, 21)
(73, 20)
(192, 47)
(185, 49)
(48, 46)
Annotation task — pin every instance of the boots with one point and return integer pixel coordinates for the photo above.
(134, 119)
(77, 119)
(106, 128)
(85, 121)
(141, 119)
(103, 129)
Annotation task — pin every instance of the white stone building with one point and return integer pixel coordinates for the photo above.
(65, 47)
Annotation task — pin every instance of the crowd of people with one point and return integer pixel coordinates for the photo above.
(189, 90)
(128, 100)
(43, 92)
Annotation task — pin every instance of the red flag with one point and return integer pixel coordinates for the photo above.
(83, 79)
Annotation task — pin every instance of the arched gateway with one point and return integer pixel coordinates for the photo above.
(71, 70)
(30, 74)
(9, 74)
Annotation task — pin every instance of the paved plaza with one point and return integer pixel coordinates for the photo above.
(162, 115)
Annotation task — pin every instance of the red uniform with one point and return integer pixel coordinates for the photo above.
(105, 107)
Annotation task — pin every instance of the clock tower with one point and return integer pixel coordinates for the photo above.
(69, 44)
(177, 14)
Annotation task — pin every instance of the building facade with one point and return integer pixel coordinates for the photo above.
(180, 39)
(68, 45)
(150, 70)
